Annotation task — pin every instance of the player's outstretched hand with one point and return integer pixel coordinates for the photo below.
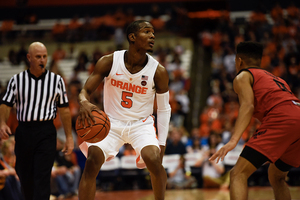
(223, 151)
(85, 112)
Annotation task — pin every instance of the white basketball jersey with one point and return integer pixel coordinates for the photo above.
(129, 96)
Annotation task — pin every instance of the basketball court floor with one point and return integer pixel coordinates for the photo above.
(255, 193)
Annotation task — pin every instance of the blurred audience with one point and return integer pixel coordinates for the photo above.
(213, 174)
(179, 177)
(10, 187)
(65, 173)
(175, 145)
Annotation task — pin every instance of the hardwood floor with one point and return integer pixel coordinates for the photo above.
(255, 193)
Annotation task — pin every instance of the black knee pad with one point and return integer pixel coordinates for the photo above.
(254, 157)
(282, 166)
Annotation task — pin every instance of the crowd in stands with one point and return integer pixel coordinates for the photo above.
(101, 26)
(281, 39)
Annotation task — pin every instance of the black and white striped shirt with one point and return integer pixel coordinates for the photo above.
(36, 98)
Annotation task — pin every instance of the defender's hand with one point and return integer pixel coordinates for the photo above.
(223, 151)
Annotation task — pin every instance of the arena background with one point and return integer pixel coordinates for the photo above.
(195, 41)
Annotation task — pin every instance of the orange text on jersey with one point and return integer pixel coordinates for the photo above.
(129, 87)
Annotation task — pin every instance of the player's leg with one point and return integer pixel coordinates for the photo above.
(151, 157)
(279, 170)
(247, 163)
(277, 181)
(87, 185)
(97, 154)
(239, 179)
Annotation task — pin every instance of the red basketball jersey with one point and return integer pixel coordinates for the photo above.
(269, 91)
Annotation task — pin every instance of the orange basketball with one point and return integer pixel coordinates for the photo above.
(98, 131)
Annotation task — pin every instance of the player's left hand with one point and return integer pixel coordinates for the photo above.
(223, 151)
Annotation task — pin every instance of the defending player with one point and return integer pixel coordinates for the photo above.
(277, 140)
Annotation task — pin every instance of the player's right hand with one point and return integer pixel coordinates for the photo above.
(221, 153)
(4, 131)
(85, 113)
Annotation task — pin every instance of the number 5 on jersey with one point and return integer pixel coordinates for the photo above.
(126, 102)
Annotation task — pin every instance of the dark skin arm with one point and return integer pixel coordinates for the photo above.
(102, 70)
(161, 80)
(242, 85)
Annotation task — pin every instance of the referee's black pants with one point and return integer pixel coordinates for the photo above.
(35, 152)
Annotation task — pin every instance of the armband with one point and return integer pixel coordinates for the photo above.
(163, 117)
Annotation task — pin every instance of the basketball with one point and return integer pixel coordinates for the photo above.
(98, 131)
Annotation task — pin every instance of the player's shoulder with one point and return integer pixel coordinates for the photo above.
(244, 75)
(104, 64)
(105, 61)
(161, 70)
(107, 58)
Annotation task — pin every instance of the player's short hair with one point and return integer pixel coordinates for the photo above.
(250, 49)
(134, 27)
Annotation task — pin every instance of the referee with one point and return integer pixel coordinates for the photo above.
(37, 94)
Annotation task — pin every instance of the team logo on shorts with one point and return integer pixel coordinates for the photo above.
(144, 80)
(259, 133)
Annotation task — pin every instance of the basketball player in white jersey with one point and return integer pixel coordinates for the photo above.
(132, 80)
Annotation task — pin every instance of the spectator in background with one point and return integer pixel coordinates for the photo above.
(175, 64)
(81, 65)
(108, 26)
(292, 11)
(129, 16)
(59, 31)
(73, 92)
(72, 52)
(21, 55)
(213, 173)
(59, 53)
(179, 177)
(194, 142)
(175, 145)
(128, 150)
(229, 63)
(119, 37)
(184, 102)
(88, 32)
(8, 154)
(10, 187)
(12, 57)
(177, 84)
(73, 29)
(97, 54)
(82, 61)
(277, 12)
(120, 18)
(65, 172)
